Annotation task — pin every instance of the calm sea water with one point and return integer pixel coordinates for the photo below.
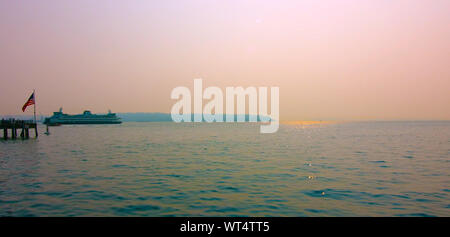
(219, 169)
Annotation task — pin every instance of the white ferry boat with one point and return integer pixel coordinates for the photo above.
(86, 117)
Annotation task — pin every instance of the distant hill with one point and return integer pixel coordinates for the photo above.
(126, 117)
(144, 117)
(158, 117)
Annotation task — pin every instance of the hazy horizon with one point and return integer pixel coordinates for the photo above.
(145, 118)
(332, 60)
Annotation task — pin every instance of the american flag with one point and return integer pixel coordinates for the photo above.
(29, 102)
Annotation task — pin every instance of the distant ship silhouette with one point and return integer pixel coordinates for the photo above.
(86, 117)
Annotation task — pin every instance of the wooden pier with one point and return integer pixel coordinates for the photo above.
(14, 125)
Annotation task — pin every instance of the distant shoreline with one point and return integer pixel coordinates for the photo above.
(166, 117)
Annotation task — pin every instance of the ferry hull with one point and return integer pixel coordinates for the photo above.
(56, 123)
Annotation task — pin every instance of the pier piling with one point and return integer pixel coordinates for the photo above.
(14, 125)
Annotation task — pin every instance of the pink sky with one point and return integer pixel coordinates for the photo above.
(342, 60)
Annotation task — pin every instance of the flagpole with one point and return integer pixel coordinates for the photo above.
(35, 121)
(34, 94)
